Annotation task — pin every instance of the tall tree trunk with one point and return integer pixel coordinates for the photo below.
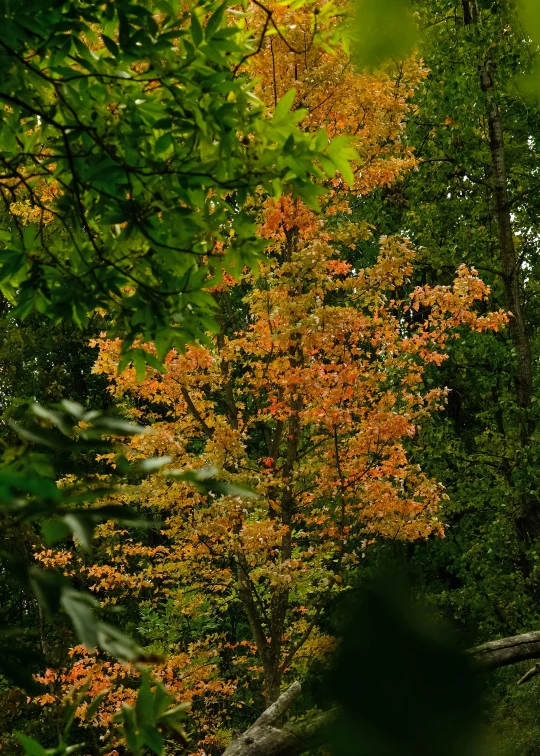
(529, 518)
(528, 522)
(509, 260)
(279, 604)
(507, 251)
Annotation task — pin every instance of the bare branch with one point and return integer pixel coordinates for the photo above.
(529, 674)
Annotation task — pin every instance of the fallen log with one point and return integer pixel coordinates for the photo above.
(501, 653)
(266, 738)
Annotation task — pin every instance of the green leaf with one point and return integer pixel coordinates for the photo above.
(117, 643)
(145, 703)
(139, 363)
(153, 361)
(340, 152)
(31, 746)
(80, 608)
(55, 531)
(214, 21)
(382, 30)
(153, 739)
(321, 140)
(282, 110)
(176, 713)
(117, 426)
(205, 480)
(93, 706)
(163, 143)
(56, 418)
(48, 588)
(111, 45)
(43, 436)
(124, 361)
(82, 527)
(162, 700)
(153, 463)
(129, 725)
(196, 29)
(74, 408)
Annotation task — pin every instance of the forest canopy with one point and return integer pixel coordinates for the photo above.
(269, 480)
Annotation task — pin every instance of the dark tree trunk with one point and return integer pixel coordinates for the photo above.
(509, 260)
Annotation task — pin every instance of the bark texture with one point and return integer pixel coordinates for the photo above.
(501, 653)
(264, 738)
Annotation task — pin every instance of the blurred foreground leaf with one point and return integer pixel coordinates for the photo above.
(382, 30)
(403, 687)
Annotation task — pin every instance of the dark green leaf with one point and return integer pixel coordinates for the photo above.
(31, 746)
(54, 531)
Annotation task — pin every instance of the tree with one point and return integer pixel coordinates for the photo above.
(308, 396)
(484, 447)
(484, 575)
(124, 178)
(324, 369)
(318, 431)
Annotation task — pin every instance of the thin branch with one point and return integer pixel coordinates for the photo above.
(194, 411)
(530, 674)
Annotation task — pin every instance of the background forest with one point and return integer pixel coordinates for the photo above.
(269, 332)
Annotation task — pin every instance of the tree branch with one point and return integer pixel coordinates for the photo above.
(529, 674)
(194, 411)
(273, 713)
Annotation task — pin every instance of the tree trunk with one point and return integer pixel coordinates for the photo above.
(509, 261)
(528, 522)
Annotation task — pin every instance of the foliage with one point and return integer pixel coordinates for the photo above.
(28, 492)
(127, 164)
(484, 448)
(310, 398)
(484, 574)
(382, 31)
(342, 377)
(140, 724)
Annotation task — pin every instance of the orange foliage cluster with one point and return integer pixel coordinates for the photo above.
(44, 193)
(311, 407)
(189, 676)
(369, 107)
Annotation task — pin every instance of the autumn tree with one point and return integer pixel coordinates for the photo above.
(320, 392)
(308, 397)
(124, 175)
